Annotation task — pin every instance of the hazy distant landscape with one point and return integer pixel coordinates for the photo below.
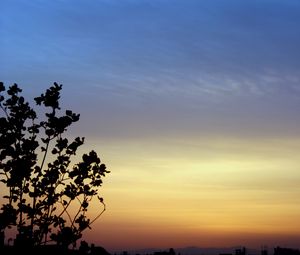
(197, 251)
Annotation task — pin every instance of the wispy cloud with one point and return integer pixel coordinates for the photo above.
(167, 55)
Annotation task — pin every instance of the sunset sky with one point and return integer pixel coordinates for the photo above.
(193, 105)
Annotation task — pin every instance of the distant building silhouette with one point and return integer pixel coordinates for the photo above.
(264, 250)
(286, 251)
(241, 251)
(98, 250)
(170, 252)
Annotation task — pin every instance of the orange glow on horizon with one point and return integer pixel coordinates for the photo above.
(170, 195)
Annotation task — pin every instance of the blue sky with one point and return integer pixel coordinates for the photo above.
(160, 55)
(129, 41)
(168, 79)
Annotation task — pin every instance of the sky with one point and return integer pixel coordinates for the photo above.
(193, 105)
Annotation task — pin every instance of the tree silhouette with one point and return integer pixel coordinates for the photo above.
(40, 183)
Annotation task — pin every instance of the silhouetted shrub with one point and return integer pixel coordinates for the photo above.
(40, 184)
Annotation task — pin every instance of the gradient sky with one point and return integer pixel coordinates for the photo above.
(193, 105)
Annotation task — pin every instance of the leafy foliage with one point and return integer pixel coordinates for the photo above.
(40, 192)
